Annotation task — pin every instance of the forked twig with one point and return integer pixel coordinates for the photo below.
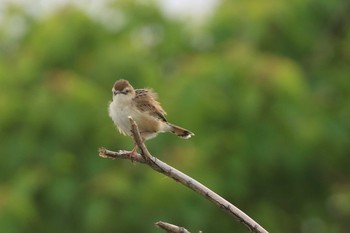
(156, 164)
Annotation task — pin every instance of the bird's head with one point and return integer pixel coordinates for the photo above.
(123, 89)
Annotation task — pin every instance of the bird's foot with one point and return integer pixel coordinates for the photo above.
(133, 154)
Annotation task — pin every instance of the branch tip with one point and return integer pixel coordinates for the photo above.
(170, 228)
(102, 152)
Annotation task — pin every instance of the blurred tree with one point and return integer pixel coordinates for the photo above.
(262, 84)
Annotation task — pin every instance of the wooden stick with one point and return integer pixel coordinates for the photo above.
(146, 158)
(170, 228)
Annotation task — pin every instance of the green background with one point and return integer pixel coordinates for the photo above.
(264, 85)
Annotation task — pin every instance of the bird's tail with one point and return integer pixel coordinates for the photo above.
(181, 132)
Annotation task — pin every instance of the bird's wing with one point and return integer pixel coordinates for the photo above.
(146, 101)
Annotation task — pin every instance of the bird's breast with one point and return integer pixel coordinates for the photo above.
(119, 112)
(148, 125)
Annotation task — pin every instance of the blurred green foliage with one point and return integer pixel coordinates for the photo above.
(264, 85)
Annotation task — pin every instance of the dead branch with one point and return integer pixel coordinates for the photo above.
(170, 228)
(146, 158)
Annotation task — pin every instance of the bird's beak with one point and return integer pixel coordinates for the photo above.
(116, 92)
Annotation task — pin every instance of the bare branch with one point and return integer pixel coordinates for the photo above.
(139, 141)
(121, 154)
(156, 164)
(170, 228)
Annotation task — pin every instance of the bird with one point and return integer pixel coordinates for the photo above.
(143, 107)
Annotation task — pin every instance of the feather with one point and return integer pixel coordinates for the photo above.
(146, 101)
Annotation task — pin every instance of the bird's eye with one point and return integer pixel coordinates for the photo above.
(126, 91)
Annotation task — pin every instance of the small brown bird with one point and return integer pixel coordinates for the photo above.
(143, 107)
